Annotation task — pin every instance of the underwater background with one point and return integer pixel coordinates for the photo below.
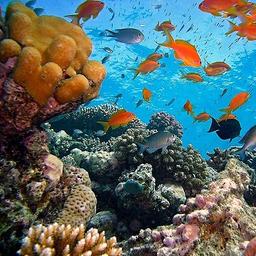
(121, 124)
(207, 34)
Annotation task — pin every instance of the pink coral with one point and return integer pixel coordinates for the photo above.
(251, 248)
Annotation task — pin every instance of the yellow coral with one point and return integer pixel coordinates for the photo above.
(79, 207)
(64, 240)
(72, 89)
(9, 48)
(52, 50)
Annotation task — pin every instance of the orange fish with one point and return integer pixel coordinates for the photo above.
(247, 30)
(226, 117)
(147, 94)
(183, 51)
(188, 108)
(240, 99)
(217, 7)
(118, 119)
(166, 25)
(145, 67)
(216, 68)
(193, 77)
(86, 10)
(202, 117)
(155, 56)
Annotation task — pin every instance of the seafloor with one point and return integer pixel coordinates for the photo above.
(65, 190)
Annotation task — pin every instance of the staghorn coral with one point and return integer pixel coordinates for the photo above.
(215, 222)
(162, 121)
(64, 240)
(79, 206)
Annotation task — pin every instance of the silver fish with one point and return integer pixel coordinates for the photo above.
(249, 141)
(126, 35)
(159, 140)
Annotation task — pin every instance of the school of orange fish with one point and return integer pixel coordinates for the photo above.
(189, 57)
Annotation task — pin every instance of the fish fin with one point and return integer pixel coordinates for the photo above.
(111, 33)
(115, 126)
(233, 28)
(105, 125)
(214, 126)
(142, 148)
(151, 150)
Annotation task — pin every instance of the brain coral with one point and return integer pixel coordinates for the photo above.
(79, 207)
(52, 57)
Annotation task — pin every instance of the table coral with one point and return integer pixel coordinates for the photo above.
(64, 240)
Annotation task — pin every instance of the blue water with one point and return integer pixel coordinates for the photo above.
(165, 83)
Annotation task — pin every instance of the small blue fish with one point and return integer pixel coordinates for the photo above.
(38, 11)
(105, 59)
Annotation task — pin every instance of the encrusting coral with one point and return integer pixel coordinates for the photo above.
(79, 206)
(64, 240)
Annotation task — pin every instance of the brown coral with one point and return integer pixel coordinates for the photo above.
(64, 240)
(79, 207)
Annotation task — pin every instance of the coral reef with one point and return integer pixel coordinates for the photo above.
(43, 73)
(162, 121)
(215, 222)
(64, 240)
(37, 86)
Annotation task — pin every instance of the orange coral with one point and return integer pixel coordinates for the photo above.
(72, 89)
(9, 48)
(52, 49)
(38, 80)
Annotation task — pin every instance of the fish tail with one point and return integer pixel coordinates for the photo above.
(142, 148)
(241, 153)
(214, 126)
(105, 125)
(136, 74)
(233, 28)
(111, 33)
(169, 41)
(74, 17)
(226, 110)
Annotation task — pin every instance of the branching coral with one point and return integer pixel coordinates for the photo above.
(64, 240)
